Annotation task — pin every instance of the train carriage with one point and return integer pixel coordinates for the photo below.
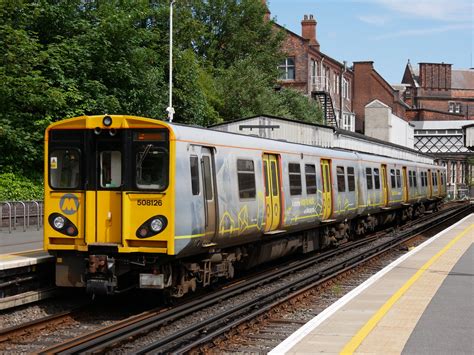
(137, 202)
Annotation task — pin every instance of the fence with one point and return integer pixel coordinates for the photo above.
(28, 212)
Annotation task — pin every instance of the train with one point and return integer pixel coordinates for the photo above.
(134, 202)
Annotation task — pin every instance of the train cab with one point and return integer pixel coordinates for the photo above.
(108, 186)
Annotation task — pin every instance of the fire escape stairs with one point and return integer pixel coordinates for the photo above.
(325, 102)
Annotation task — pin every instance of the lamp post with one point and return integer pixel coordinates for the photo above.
(170, 108)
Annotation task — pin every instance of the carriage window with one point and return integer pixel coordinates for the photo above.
(414, 179)
(399, 179)
(350, 179)
(194, 174)
(310, 173)
(410, 178)
(341, 184)
(246, 177)
(295, 178)
(376, 178)
(273, 168)
(392, 178)
(206, 166)
(152, 167)
(110, 169)
(370, 183)
(64, 172)
(423, 183)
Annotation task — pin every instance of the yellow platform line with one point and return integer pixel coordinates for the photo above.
(355, 342)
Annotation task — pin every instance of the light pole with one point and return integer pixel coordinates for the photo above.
(170, 108)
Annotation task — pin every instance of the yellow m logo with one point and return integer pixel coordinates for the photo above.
(69, 204)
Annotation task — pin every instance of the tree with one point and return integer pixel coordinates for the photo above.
(65, 58)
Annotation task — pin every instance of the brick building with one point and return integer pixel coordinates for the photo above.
(317, 75)
(369, 85)
(441, 102)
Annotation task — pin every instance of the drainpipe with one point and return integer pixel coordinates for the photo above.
(341, 102)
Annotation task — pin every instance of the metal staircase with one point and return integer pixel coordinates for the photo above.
(325, 101)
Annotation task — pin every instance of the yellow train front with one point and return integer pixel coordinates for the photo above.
(108, 191)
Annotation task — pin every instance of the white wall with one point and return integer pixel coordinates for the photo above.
(382, 124)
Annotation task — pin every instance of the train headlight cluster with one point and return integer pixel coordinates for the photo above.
(62, 224)
(152, 226)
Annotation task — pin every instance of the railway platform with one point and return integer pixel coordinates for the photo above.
(422, 303)
(23, 260)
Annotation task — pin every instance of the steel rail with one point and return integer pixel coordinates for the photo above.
(8, 333)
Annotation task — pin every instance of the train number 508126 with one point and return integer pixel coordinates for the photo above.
(149, 203)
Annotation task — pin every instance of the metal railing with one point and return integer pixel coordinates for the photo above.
(11, 212)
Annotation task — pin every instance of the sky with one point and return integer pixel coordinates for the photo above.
(387, 32)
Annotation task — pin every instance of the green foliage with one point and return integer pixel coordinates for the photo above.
(299, 107)
(17, 188)
(61, 59)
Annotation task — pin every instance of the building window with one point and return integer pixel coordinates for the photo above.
(451, 107)
(348, 122)
(314, 71)
(457, 108)
(345, 89)
(337, 84)
(246, 177)
(287, 69)
(295, 178)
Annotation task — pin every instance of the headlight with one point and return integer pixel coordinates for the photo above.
(59, 222)
(156, 225)
(107, 121)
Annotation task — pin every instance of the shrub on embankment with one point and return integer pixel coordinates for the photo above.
(15, 187)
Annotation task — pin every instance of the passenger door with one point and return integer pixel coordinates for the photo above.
(108, 194)
(405, 184)
(430, 184)
(209, 193)
(272, 192)
(384, 185)
(327, 188)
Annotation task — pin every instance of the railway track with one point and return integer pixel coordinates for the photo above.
(215, 324)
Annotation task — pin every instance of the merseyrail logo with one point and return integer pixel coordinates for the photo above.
(69, 204)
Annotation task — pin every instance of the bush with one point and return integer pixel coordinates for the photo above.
(18, 188)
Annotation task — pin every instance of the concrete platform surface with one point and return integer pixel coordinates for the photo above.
(19, 241)
(379, 316)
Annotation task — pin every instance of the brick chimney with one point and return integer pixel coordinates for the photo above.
(308, 30)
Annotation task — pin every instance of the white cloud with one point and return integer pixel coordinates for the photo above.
(373, 19)
(444, 10)
(425, 31)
